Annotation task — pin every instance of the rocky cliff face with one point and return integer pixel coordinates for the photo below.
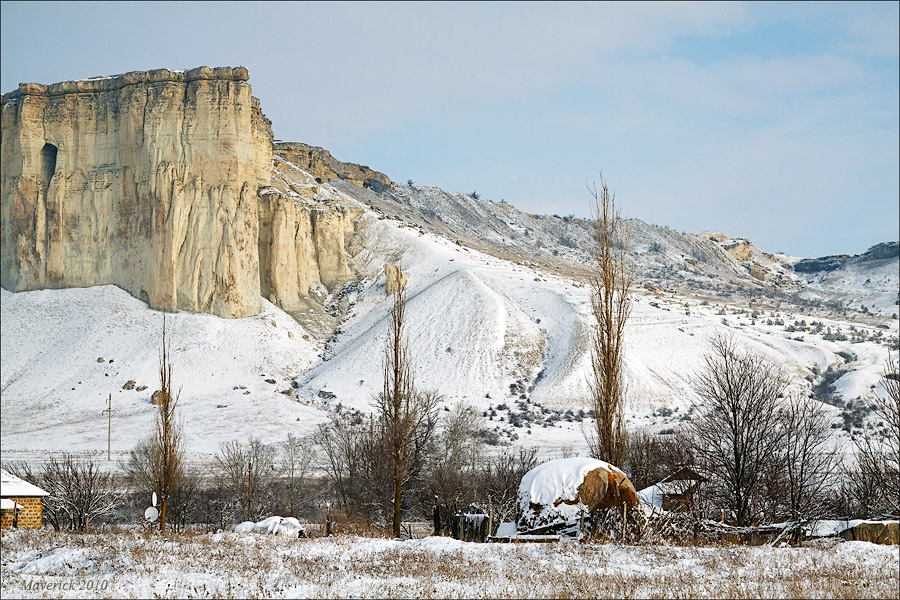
(161, 182)
(302, 245)
(319, 163)
(146, 180)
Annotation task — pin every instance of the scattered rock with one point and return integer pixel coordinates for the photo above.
(291, 334)
(272, 381)
(140, 388)
(247, 393)
(326, 395)
(100, 359)
(157, 397)
(306, 337)
(129, 385)
(288, 392)
(221, 405)
(274, 324)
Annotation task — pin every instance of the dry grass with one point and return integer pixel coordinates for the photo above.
(227, 565)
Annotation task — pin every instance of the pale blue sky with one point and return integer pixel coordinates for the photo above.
(777, 122)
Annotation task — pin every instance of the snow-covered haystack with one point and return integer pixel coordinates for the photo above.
(274, 525)
(554, 495)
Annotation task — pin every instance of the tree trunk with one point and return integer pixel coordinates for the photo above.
(162, 516)
(398, 490)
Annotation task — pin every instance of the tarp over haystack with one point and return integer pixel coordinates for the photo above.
(553, 495)
(273, 525)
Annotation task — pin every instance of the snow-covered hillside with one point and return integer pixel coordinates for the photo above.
(507, 336)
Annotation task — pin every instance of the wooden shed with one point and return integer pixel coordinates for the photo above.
(22, 502)
(673, 491)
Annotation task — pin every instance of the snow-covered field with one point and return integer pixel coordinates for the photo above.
(133, 565)
(503, 336)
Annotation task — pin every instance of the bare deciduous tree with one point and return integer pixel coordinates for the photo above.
(397, 407)
(247, 488)
(453, 477)
(652, 457)
(79, 490)
(611, 306)
(353, 459)
(805, 457)
(139, 474)
(878, 454)
(168, 451)
(500, 478)
(736, 436)
(297, 456)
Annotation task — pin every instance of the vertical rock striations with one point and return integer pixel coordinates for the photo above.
(146, 180)
(165, 184)
(302, 244)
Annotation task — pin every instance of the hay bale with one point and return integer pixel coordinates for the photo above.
(557, 495)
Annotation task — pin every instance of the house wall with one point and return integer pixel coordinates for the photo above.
(29, 516)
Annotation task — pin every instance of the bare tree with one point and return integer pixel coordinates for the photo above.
(878, 454)
(735, 437)
(139, 474)
(168, 450)
(500, 478)
(407, 418)
(611, 305)
(652, 457)
(247, 472)
(297, 457)
(79, 490)
(453, 478)
(356, 463)
(396, 406)
(805, 457)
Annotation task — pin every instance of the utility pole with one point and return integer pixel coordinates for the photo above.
(109, 412)
(109, 430)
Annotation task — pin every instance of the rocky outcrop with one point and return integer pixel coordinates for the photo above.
(882, 251)
(319, 163)
(300, 245)
(146, 180)
(394, 279)
(824, 263)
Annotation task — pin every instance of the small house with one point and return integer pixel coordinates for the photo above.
(22, 502)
